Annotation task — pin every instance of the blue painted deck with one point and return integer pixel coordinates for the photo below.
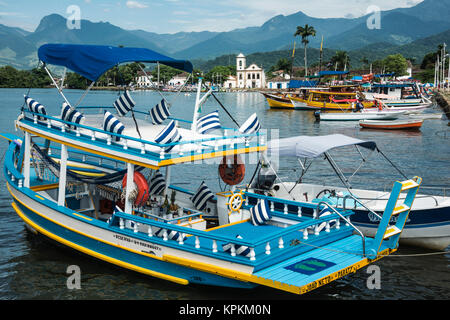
(345, 255)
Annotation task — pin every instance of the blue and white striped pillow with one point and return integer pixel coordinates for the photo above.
(250, 126)
(240, 250)
(172, 235)
(111, 124)
(36, 107)
(208, 123)
(202, 196)
(71, 115)
(260, 213)
(168, 135)
(124, 104)
(160, 112)
(157, 184)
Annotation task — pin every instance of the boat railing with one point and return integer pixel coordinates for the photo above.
(232, 140)
(209, 243)
(10, 168)
(330, 207)
(356, 200)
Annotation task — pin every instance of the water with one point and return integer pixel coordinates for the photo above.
(31, 268)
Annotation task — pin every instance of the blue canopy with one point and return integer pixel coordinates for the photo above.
(332, 73)
(302, 84)
(92, 61)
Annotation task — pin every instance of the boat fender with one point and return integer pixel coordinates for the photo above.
(232, 173)
(142, 187)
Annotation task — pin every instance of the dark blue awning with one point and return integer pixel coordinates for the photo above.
(332, 73)
(92, 61)
(302, 84)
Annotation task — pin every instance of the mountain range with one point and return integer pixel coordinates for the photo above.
(420, 26)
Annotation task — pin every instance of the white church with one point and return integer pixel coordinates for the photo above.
(246, 78)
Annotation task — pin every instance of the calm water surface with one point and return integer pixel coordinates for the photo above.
(31, 268)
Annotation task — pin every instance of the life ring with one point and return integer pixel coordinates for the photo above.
(233, 173)
(142, 187)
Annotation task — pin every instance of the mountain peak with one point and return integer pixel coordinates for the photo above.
(51, 21)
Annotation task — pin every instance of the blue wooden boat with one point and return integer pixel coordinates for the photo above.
(93, 183)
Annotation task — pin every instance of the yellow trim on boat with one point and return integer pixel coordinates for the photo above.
(45, 187)
(91, 252)
(82, 216)
(162, 163)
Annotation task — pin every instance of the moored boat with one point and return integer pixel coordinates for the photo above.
(357, 116)
(392, 125)
(428, 224)
(335, 101)
(92, 183)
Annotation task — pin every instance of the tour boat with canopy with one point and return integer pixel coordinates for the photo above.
(94, 183)
(428, 223)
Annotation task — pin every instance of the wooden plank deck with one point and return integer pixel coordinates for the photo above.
(318, 267)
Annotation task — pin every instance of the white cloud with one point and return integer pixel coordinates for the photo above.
(136, 5)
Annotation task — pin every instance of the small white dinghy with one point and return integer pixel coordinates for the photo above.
(356, 116)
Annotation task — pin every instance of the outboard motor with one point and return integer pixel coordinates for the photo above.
(265, 179)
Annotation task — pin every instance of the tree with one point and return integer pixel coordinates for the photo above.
(341, 59)
(396, 63)
(219, 74)
(305, 32)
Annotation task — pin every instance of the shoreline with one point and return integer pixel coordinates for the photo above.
(443, 100)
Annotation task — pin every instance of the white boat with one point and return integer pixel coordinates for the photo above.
(356, 116)
(398, 95)
(95, 184)
(428, 223)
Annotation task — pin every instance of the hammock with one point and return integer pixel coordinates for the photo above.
(54, 167)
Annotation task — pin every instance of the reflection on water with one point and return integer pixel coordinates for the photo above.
(34, 269)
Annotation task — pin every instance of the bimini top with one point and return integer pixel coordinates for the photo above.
(312, 147)
(92, 61)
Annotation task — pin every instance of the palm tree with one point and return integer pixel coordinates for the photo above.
(341, 60)
(305, 32)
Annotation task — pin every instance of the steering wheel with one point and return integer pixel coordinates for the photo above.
(324, 191)
(235, 202)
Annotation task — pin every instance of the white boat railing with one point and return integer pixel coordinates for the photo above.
(232, 141)
(265, 247)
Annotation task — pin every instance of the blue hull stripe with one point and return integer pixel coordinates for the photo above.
(137, 261)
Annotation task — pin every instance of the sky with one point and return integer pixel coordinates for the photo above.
(171, 16)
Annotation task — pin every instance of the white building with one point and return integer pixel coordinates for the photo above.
(143, 81)
(251, 77)
(178, 80)
(278, 83)
(230, 83)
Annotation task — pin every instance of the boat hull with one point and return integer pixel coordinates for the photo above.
(276, 102)
(429, 228)
(357, 116)
(391, 125)
(118, 247)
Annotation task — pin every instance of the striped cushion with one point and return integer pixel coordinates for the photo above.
(71, 115)
(157, 184)
(202, 196)
(172, 235)
(111, 124)
(35, 107)
(168, 135)
(260, 213)
(160, 112)
(208, 123)
(250, 126)
(124, 104)
(240, 250)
